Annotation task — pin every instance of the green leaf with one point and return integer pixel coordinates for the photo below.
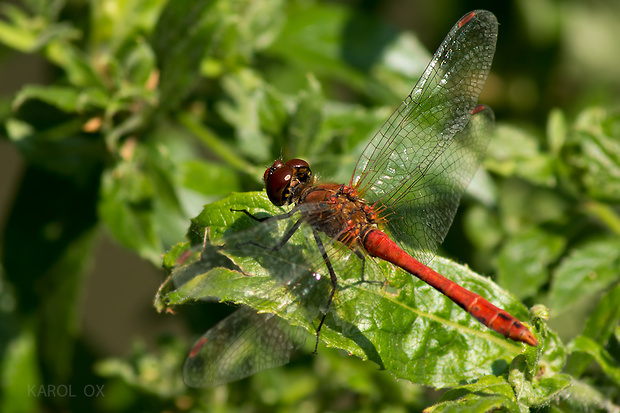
(522, 265)
(523, 206)
(20, 381)
(532, 385)
(482, 228)
(310, 39)
(184, 33)
(412, 331)
(148, 196)
(67, 99)
(589, 269)
(557, 129)
(487, 394)
(594, 153)
(48, 8)
(127, 208)
(154, 373)
(208, 178)
(327, 40)
(306, 121)
(214, 144)
(247, 26)
(548, 389)
(120, 27)
(604, 319)
(253, 126)
(60, 150)
(584, 395)
(515, 152)
(18, 33)
(606, 361)
(189, 31)
(60, 310)
(29, 33)
(554, 351)
(599, 328)
(79, 70)
(476, 403)
(344, 133)
(140, 65)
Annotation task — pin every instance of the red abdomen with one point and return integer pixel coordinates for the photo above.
(380, 245)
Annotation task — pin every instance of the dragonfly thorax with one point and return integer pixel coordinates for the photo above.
(339, 212)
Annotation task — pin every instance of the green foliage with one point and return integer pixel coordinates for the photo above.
(141, 89)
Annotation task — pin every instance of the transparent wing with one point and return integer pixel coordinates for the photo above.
(291, 282)
(420, 162)
(239, 346)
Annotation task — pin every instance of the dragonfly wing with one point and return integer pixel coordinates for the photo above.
(239, 346)
(420, 162)
(438, 201)
(283, 291)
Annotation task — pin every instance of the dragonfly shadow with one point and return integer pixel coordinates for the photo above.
(499, 367)
(199, 260)
(290, 283)
(299, 281)
(290, 280)
(353, 333)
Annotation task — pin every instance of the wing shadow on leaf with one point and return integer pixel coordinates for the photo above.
(289, 283)
(352, 332)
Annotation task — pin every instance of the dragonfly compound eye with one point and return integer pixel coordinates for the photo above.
(276, 165)
(277, 184)
(301, 170)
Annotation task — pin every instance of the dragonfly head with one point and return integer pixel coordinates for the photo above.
(283, 180)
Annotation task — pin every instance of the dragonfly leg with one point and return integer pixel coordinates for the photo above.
(334, 280)
(362, 257)
(255, 218)
(362, 279)
(280, 243)
(284, 239)
(286, 236)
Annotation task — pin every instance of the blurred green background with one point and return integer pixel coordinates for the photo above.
(120, 119)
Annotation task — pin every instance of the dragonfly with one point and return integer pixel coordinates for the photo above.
(397, 206)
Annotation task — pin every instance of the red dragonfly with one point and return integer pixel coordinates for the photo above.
(408, 180)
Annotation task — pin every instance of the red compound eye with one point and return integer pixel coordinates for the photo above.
(284, 180)
(297, 164)
(277, 183)
(301, 170)
(276, 165)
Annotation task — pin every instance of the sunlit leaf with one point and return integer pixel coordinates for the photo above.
(416, 334)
